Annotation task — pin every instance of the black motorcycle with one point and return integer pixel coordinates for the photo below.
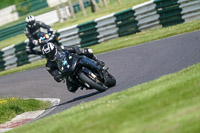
(84, 71)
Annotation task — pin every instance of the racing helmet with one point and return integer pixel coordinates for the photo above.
(49, 51)
(30, 20)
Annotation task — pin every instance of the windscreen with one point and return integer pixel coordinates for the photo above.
(61, 59)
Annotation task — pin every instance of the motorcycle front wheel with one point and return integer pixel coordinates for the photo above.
(92, 83)
(110, 80)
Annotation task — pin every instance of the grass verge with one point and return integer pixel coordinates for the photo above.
(168, 104)
(131, 40)
(11, 107)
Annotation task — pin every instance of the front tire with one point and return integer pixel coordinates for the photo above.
(110, 80)
(91, 82)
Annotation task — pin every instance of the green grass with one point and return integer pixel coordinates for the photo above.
(6, 3)
(168, 104)
(131, 40)
(11, 107)
(13, 40)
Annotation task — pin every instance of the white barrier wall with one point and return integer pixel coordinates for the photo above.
(8, 15)
(190, 9)
(49, 18)
(53, 3)
(146, 15)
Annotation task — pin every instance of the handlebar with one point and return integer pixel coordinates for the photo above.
(44, 40)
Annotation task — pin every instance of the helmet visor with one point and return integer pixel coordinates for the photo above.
(31, 23)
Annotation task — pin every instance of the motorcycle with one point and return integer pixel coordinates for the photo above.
(84, 71)
(45, 37)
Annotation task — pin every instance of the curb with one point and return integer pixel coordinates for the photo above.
(28, 117)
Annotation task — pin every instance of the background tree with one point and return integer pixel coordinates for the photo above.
(105, 3)
(71, 8)
(94, 6)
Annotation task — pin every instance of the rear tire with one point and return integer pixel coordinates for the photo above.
(91, 82)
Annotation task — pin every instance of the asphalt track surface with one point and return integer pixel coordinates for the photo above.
(131, 66)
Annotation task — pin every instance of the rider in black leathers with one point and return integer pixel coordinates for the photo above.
(52, 67)
(31, 30)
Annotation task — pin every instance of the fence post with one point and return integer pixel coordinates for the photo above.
(59, 13)
(119, 1)
(82, 7)
(101, 3)
(94, 5)
(105, 3)
(71, 8)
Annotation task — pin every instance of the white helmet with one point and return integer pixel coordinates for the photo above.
(49, 51)
(30, 20)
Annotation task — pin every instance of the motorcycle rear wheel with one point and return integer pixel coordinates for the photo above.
(92, 83)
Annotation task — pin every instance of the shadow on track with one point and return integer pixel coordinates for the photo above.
(77, 99)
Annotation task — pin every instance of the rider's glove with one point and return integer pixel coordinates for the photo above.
(35, 42)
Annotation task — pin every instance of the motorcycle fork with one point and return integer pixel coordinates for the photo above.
(91, 75)
(92, 65)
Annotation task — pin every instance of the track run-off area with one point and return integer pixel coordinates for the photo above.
(131, 66)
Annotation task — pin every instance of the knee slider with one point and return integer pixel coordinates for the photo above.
(57, 76)
(88, 51)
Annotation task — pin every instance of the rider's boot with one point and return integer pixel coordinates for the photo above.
(72, 87)
(89, 53)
